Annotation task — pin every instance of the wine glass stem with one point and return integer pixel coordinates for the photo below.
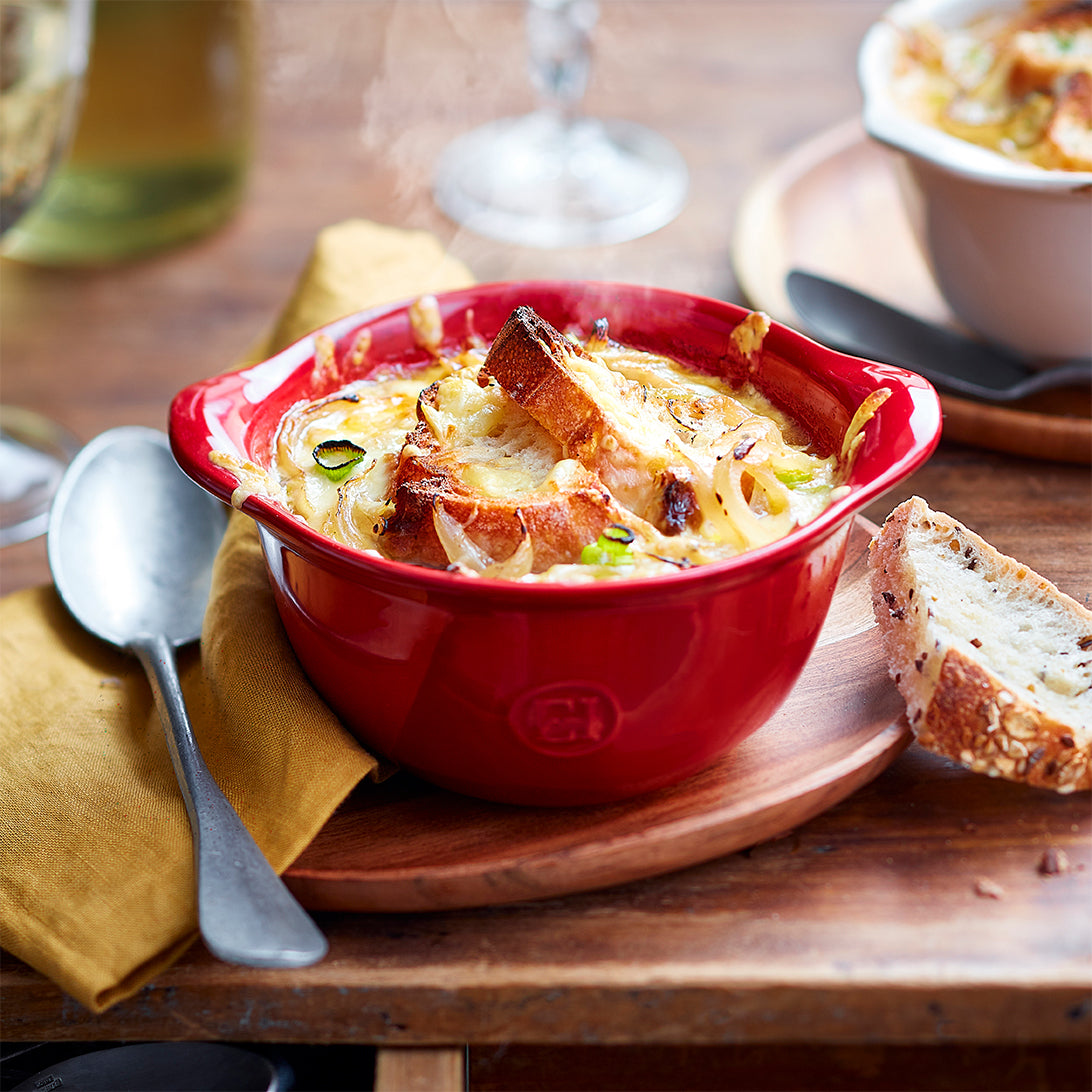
(559, 45)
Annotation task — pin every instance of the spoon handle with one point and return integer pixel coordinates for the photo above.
(246, 913)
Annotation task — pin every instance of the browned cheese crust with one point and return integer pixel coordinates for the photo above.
(539, 368)
(961, 703)
(557, 524)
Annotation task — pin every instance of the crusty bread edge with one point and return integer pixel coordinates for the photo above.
(529, 359)
(540, 369)
(956, 706)
(558, 522)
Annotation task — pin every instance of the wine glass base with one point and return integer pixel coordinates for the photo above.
(537, 181)
(34, 452)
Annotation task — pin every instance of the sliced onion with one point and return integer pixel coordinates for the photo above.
(460, 548)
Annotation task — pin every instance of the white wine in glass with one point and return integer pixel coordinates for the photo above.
(556, 177)
(44, 48)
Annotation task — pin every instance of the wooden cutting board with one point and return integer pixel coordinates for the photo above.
(406, 846)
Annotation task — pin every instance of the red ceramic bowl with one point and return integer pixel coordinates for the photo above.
(547, 694)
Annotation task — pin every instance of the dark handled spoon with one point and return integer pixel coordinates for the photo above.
(855, 323)
(131, 543)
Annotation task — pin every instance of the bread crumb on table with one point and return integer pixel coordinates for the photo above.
(985, 888)
(1054, 862)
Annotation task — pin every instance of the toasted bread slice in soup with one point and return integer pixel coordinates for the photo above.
(1044, 46)
(479, 483)
(993, 661)
(522, 460)
(598, 418)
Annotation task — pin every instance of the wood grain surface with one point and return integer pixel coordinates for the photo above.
(868, 923)
(405, 846)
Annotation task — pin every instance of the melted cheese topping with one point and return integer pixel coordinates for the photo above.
(753, 474)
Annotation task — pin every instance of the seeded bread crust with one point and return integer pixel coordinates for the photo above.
(993, 661)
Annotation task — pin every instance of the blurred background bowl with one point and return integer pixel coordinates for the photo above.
(1009, 243)
(541, 693)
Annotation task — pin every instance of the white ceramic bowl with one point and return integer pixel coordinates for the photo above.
(1009, 244)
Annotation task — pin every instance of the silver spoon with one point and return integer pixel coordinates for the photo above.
(131, 543)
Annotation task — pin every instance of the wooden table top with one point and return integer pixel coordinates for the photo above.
(869, 922)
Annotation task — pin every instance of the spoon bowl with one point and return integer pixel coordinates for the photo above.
(131, 546)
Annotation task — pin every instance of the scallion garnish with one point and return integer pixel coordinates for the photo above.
(792, 478)
(335, 458)
(801, 480)
(610, 548)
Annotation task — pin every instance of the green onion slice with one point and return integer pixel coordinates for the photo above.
(610, 548)
(792, 477)
(802, 481)
(335, 458)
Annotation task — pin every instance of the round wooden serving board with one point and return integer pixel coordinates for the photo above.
(832, 206)
(406, 846)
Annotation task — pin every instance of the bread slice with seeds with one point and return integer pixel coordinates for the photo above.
(993, 661)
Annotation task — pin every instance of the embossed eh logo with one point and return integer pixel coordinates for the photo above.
(566, 718)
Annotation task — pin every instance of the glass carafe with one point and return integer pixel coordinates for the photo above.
(164, 140)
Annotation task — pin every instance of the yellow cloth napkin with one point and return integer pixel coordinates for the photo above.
(96, 873)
